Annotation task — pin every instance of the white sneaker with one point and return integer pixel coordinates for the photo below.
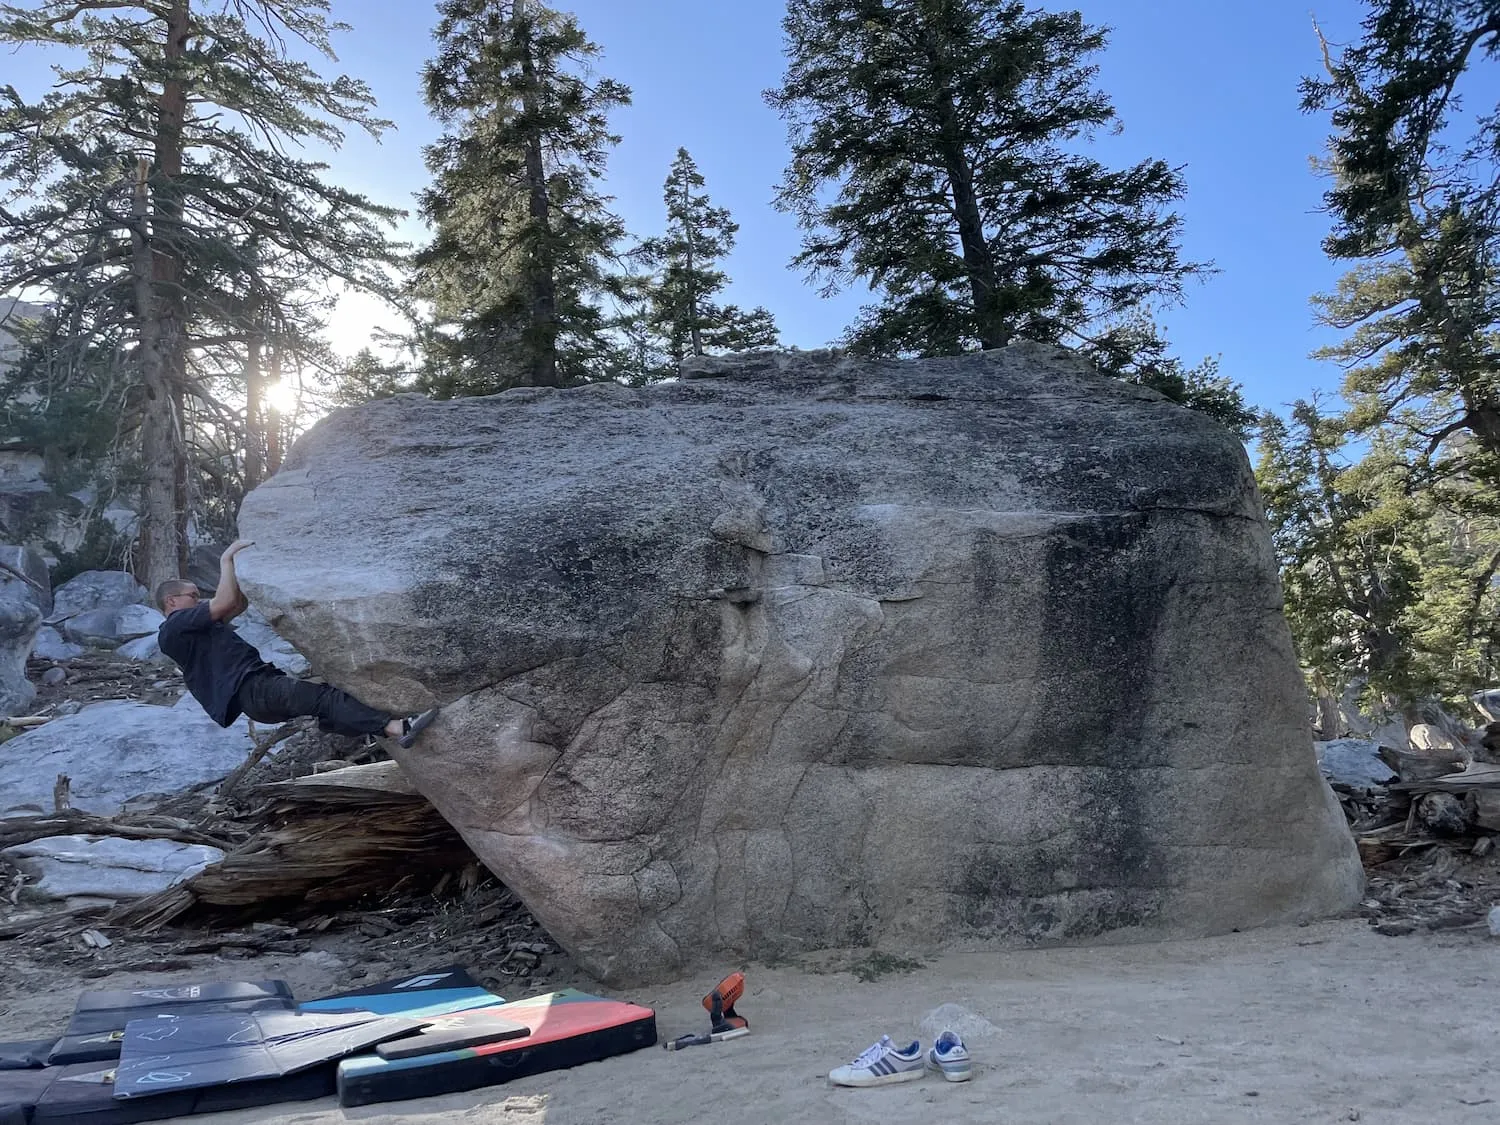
(881, 1065)
(950, 1058)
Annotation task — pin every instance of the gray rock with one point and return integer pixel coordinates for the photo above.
(31, 564)
(272, 646)
(19, 620)
(807, 652)
(49, 645)
(1354, 762)
(96, 589)
(110, 627)
(54, 676)
(144, 650)
(115, 750)
(107, 867)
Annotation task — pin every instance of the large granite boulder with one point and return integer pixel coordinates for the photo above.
(113, 626)
(807, 652)
(96, 589)
(116, 750)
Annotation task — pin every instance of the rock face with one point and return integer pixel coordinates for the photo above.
(116, 750)
(806, 652)
(110, 627)
(19, 621)
(96, 589)
(107, 866)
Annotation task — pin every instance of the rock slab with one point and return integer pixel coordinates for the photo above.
(116, 750)
(61, 867)
(807, 652)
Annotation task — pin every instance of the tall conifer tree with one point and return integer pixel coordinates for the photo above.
(682, 310)
(519, 262)
(937, 157)
(154, 200)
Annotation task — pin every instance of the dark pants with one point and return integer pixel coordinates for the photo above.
(272, 697)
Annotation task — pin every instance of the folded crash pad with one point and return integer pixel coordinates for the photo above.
(455, 1030)
(567, 1028)
(99, 1018)
(223, 1048)
(433, 993)
(19, 1092)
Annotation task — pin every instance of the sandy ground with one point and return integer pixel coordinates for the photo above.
(1325, 1023)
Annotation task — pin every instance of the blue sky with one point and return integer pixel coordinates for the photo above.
(1205, 84)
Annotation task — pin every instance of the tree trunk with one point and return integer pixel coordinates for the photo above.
(542, 270)
(160, 308)
(692, 293)
(255, 425)
(979, 263)
(273, 420)
(157, 559)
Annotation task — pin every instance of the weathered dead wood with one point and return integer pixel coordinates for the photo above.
(73, 822)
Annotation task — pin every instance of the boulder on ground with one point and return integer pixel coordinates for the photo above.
(144, 650)
(50, 645)
(1355, 762)
(110, 627)
(96, 589)
(20, 618)
(116, 750)
(23, 560)
(805, 651)
(108, 867)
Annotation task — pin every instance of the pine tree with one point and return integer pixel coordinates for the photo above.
(156, 204)
(682, 310)
(936, 157)
(1384, 584)
(1413, 203)
(1412, 200)
(518, 265)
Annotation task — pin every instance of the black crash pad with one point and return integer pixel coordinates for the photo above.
(98, 1024)
(169, 1053)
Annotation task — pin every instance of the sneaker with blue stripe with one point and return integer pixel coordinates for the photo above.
(950, 1058)
(880, 1065)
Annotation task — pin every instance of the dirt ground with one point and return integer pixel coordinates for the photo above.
(1327, 1023)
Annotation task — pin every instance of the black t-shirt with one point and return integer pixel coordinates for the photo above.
(213, 658)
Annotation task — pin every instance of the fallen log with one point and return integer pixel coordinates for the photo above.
(317, 850)
(72, 822)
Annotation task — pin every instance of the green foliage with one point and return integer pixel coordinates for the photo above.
(937, 155)
(1414, 205)
(367, 377)
(517, 267)
(1384, 583)
(681, 311)
(154, 195)
(1134, 350)
(1391, 559)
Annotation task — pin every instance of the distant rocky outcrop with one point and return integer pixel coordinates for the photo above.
(803, 651)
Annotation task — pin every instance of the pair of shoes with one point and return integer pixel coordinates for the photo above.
(415, 725)
(883, 1063)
